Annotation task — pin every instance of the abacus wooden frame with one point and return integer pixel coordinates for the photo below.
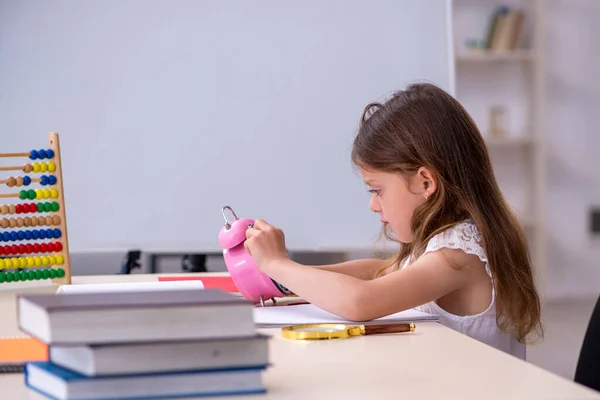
(54, 144)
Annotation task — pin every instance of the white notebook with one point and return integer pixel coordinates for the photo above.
(276, 316)
(129, 287)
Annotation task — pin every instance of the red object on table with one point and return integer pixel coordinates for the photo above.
(210, 282)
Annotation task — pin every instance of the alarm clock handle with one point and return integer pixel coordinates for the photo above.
(227, 224)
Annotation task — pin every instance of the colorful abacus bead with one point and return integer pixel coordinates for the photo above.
(41, 154)
(27, 194)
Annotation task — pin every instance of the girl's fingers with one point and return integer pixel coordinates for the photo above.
(251, 232)
(261, 224)
(247, 246)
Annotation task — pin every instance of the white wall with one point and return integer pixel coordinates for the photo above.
(169, 112)
(573, 76)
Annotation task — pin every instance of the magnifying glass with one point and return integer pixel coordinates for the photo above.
(340, 331)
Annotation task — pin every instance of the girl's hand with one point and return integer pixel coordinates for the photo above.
(265, 243)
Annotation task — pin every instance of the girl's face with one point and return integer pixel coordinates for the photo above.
(395, 199)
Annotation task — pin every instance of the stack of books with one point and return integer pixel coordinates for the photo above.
(155, 344)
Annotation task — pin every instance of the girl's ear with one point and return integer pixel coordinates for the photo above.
(427, 181)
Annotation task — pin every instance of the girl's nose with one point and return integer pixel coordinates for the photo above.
(374, 205)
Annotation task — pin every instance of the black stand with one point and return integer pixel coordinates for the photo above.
(189, 262)
(193, 263)
(130, 262)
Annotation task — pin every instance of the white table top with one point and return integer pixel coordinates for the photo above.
(434, 362)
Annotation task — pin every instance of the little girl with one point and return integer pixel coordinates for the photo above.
(463, 254)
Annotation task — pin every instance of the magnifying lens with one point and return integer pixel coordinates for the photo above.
(340, 331)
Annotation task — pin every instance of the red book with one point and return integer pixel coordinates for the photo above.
(224, 283)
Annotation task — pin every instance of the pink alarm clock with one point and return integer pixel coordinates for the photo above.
(253, 284)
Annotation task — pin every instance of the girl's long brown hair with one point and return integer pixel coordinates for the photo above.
(423, 126)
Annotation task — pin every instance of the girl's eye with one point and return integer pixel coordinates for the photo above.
(376, 191)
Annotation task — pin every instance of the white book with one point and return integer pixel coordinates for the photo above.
(276, 316)
(118, 317)
(129, 287)
(162, 356)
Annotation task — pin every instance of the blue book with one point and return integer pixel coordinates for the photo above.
(62, 384)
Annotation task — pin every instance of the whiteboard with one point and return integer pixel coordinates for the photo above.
(169, 110)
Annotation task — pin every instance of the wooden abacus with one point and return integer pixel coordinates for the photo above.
(45, 255)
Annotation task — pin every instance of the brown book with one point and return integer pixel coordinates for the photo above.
(134, 316)
(517, 30)
(507, 32)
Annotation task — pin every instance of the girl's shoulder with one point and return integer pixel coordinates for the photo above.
(463, 236)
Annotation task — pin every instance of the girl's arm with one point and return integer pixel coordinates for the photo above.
(361, 269)
(430, 278)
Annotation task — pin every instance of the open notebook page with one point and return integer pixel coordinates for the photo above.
(309, 314)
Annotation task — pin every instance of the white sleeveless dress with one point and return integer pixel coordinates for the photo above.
(466, 237)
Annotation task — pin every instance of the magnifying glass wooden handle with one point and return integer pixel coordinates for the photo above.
(388, 328)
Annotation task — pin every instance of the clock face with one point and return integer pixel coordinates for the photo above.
(282, 288)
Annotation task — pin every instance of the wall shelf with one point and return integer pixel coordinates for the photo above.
(508, 141)
(493, 56)
(518, 89)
